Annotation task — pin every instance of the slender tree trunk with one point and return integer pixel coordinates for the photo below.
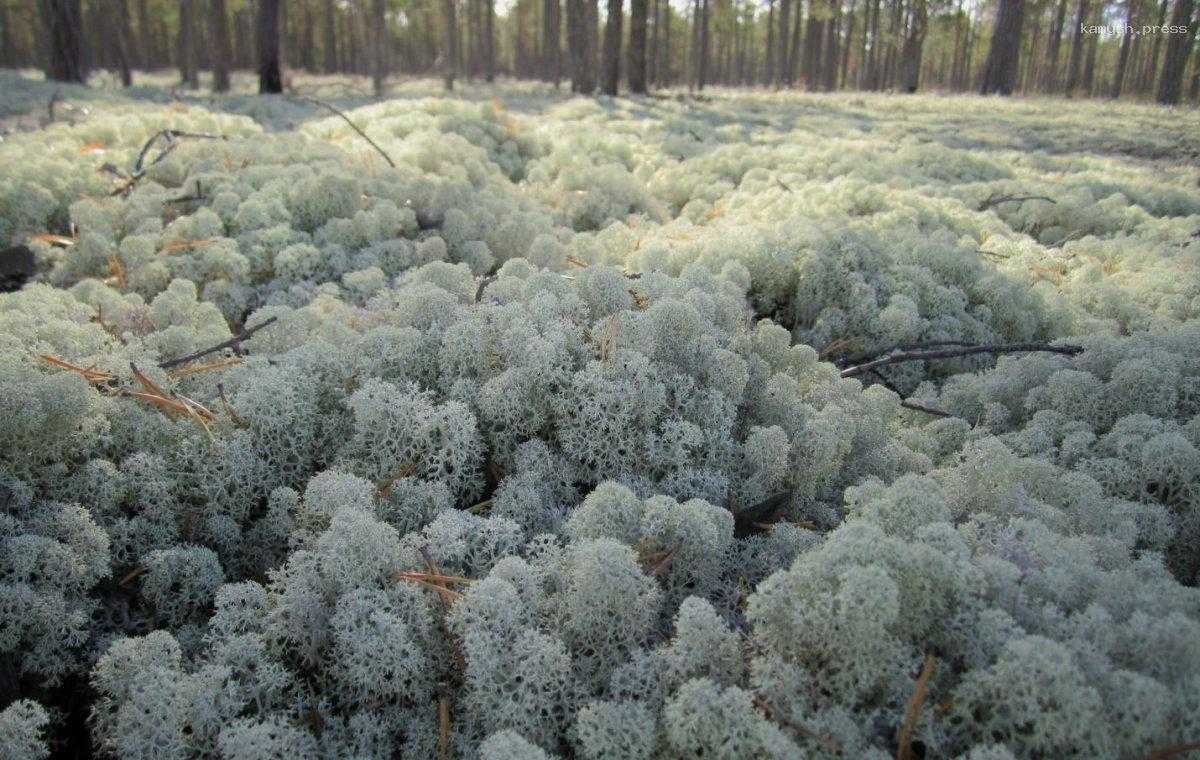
(832, 38)
(783, 70)
(1146, 81)
(1081, 16)
(1123, 57)
(270, 74)
(551, 42)
(378, 58)
(121, 43)
(1049, 82)
(913, 45)
(219, 34)
(329, 22)
(185, 51)
(1175, 61)
(793, 56)
(489, 40)
(769, 58)
(1089, 64)
(847, 43)
(450, 64)
(999, 73)
(637, 46)
(664, 68)
(612, 48)
(652, 55)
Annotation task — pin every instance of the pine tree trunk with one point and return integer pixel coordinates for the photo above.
(1000, 70)
(63, 22)
(450, 64)
(611, 65)
(782, 68)
(910, 75)
(1049, 82)
(121, 43)
(330, 28)
(702, 69)
(219, 33)
(551, 42)
(378, 59)
(793, 56)
(847, 44)
(1089, 64)
(270, 74)
(769, 58)
(489, 41)
(1123, 57)
(1146, 81)
(1081, 15)
(1175, 61)
(637, 46)
(185, 51)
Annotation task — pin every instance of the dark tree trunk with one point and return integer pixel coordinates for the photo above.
(914, 41)
(829, 70)
(551, 42)
(63, 22)
(783, 67)
(769, 58)
(121, 43)
(1123, 55)
(847, 44)
(665, 65)
(1170, 83)
(1146, 80)
(270, 74)
(450, 64)
(793, 55)
(489, 40)
(1089, 64)
(1050, 73)
(1000, 71)
(703, 48)
(185, 52)
(219, 36)
(637, 46)
(330, 27)
(652, 53)
(1081, 15)
(378, 56)
(612, 48)
(149, 54)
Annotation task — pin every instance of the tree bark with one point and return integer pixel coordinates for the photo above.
(703, 51)
(378, 57)
(222, 53)
(270, 74)
(1175, 61)
(914, 41)
(1049, 81)
(612, 48)
(489, 40)
(1123, 55)
(1089, 64)
(782, 61)
(551, 42)
(450, 64)
(637, 46)
(185, 46)
(330, 29)
(1081, 15)
(121, 43)
(63, 21)
(1000, 71)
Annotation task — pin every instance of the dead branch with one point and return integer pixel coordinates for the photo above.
(1173, 751)
(828, 742)
(905, 402)
(172, 138)
(996, 200)
(898, 357)
(912, 711)
(234, 343)
(353, 126)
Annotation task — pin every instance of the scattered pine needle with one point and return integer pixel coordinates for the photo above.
(575, 261)
(185, 244)
(91, 374)
(170, 404)
(913, 711)
(53, 239)
(1173, 751)
(131, 576)
(196, 369)
(384, 487)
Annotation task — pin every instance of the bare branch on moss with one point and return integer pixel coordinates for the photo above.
(996, 200)
(1173, 751)
(912, 711)
(919, 354)
(234, 343)
(353, 126)
(172, 138)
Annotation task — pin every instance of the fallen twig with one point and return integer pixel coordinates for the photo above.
(234, 343)
(996, 200)
(905, 402)
(172, 137)
(828, 742)
(953, 353)
(913, 711)
(353, 126)
(1173, 751)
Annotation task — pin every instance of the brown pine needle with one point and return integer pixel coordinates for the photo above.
(91, 374)
(575, 261)
(912, 711)
(237, 419)
(116, 270)
(52, 239)
(1173, 751)
(196, 369)
(185, 244)
(443, 727)
(95, 146)
(131, 576)
(384, 487)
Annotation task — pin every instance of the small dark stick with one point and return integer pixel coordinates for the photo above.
(353, 126)
(996, 200)
(234, 343)
(953, 353)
